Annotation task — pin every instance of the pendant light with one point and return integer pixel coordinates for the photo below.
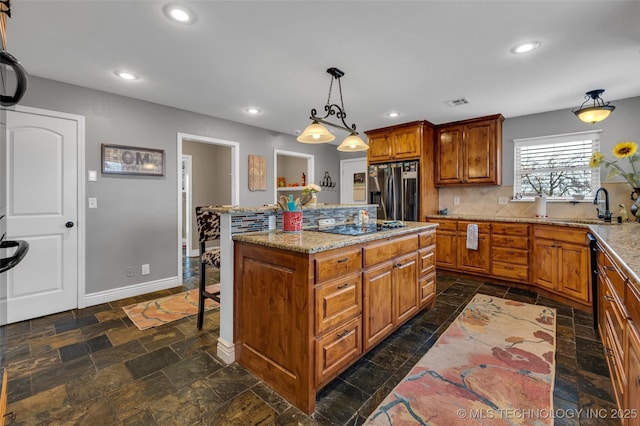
(317, 133)
(597, 112)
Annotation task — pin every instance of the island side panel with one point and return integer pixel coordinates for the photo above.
(273, 332)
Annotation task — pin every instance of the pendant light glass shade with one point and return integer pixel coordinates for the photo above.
(353, 143)
(316, 133)
(596, 112)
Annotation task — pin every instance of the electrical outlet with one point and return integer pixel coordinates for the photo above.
(129, 271)
(503, 200)
(456, 200)
(93, 203)
(145, 269)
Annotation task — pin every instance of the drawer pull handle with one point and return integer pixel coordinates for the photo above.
(398, 265)
(609, 298)
(608, 352)
(509, 268)
(346, 259)
(344, 334)
(340, 287)
(608, 268)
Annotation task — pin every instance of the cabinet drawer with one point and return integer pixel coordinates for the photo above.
(517, 229)
(427, 288)
(427, 239)
(509, 255)
(337, 349)
(510, 241)
(337, 301)
(557, 233)
(507, 270)
(377, 252)
(632, 304)
(483, 227)
(445, 225)
(338, 263)
(614, 360)
(427, 261)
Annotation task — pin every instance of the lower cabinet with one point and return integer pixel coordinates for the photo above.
(561, 261)
(618, 319)
(301, 319)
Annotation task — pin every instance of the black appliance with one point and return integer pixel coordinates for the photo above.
(394, 187)
(355, 229)
(593, 265)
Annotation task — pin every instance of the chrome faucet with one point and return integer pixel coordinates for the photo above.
(606, 215)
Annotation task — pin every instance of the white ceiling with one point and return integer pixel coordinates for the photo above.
(406, 56)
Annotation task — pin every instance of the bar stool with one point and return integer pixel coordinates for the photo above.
(208, 223)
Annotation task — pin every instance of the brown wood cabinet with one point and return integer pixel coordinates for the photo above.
(3, 397)
(510, 251)
(452, 251)
(561, 261)
(469, 152)
(408, 141)
(402, 142)
(301, 319)
(618, 319)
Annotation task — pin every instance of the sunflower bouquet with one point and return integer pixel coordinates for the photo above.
(626, 149)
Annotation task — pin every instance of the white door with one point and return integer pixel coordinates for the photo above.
(353, 182)
(42, 208)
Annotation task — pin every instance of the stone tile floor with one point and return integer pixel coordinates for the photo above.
(93, 366)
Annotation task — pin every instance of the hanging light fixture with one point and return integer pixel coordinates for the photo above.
(597, 112)
(317, 133)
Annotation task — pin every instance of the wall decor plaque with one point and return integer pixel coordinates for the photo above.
(257, 173)
(129, 160)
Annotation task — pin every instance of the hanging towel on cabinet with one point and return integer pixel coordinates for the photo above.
(472, 236)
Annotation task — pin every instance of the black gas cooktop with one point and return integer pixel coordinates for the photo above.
(354, 229)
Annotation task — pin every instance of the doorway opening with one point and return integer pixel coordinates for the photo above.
(207, 175)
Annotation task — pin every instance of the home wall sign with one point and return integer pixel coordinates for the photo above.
(129, 160)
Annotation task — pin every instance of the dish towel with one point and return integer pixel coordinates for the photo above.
(472, 236)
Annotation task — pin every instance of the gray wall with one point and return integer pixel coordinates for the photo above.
(623, 124)
(136, 221)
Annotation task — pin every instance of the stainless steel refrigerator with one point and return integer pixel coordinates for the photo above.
(394, 187)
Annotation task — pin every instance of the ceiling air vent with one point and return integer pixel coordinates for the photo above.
(458, 102)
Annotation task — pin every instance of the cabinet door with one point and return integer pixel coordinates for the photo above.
(405, 288)
(427, 289)
(573, 271)
(379, 147)
(407, 143)
(480, 160)
(446, 250)
(474, 260)
(449, 155)
(545, 269)
(633, 374)
(378, 303)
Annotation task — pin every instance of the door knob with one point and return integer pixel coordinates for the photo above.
(69, 224)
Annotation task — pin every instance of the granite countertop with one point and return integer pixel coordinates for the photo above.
(310, 241)
(275, 208)
(622, 241)
(623, 244)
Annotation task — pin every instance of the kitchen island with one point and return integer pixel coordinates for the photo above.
(310, 304)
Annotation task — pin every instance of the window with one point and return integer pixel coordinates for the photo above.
(556, 166)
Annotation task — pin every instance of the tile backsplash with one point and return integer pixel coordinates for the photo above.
(483, 200)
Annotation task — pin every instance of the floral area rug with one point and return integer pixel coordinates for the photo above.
(495, 364)
(160, 311)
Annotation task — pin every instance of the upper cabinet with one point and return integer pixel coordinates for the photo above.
(469, 152)
(396, 143)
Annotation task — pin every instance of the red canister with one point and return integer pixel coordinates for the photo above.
(292, 221)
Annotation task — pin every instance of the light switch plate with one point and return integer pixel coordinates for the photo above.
(503, 200)
(456, 200)
(93, 203)
(93, 175)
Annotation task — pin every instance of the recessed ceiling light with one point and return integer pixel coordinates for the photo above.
(392, 114)
(253, 111)
(178, 14)
(125, 75)
(525, 47)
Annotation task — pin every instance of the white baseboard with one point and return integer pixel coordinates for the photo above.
(226, 351)
(129, 291)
